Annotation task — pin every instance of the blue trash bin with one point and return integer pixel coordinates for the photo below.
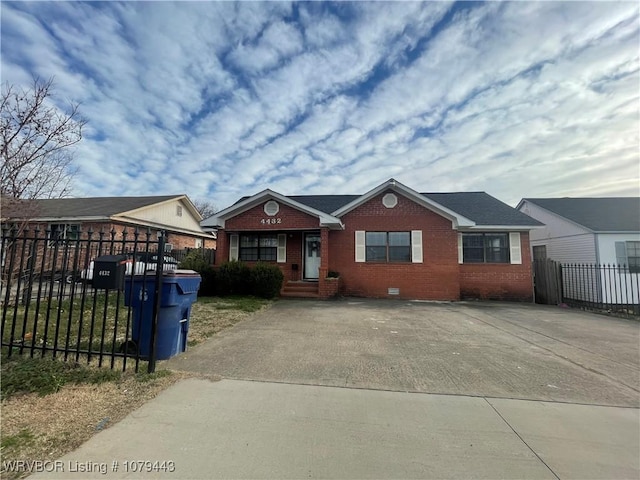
(179, 291)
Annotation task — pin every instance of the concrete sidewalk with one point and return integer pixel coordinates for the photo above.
(245, 429)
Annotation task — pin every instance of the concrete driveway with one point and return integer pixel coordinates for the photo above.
(498, 350)
(282, 410)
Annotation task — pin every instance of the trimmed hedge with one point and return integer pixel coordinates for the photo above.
(235, 278)
(195, 260)
(266, 280)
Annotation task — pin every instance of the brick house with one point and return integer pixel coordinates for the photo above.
(390, 242)
(59, 237)
(66, 219)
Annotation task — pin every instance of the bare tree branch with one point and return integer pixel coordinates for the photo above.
(206, 208)
(35, 141)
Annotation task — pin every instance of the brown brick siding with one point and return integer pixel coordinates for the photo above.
(499, 281)
(290, 219)
(439, 277)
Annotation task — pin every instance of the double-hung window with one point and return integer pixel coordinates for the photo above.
(258, 247)
(628, 254)
(485, 248)
(388, 246)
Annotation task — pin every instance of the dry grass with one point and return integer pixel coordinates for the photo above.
(213, 314)
(46, 427)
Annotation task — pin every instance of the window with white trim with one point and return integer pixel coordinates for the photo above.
(62, 233)
(628, 254)
(388, 247)
(258, 247)
(485, 248)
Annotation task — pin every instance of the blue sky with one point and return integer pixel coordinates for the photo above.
(220, 100)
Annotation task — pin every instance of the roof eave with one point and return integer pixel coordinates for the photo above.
(62, 219)
(522, 228)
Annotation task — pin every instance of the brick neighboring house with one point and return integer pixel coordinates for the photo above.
(389, 242)
(67, 219)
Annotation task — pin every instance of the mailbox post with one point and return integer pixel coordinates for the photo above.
(109, 271)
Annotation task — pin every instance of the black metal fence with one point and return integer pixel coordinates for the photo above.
(610, 288)
(49, 305)
(209, 254)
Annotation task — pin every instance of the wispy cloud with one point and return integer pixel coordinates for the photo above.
(220, 100)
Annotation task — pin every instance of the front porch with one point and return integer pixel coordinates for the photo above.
(302, 256)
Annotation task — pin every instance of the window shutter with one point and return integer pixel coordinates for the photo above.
(282, 248)
(514, 245)
(460, 251)
(416, 246)
(621, 253)
(360, 246)
(234, 243)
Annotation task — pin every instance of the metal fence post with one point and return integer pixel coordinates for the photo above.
(156, 306)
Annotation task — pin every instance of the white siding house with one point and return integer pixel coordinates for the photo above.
(564, 241)
(603, 233)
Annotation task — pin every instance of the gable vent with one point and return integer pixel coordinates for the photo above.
(389, 200)
(271, 208)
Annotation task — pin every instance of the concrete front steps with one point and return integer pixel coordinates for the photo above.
(300, 290)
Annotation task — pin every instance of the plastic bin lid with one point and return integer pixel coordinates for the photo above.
(180, 272)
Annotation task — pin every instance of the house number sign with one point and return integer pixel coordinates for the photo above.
(270, 221)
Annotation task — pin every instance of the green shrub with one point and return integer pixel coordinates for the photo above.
(233, 278)
(195, 260)
(266, 280)
(208, 286)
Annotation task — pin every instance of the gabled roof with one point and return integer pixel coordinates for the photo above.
(607, 214)
(246, 203)
(128, 210)
(480, 207)
(90, 207)
(467, 210)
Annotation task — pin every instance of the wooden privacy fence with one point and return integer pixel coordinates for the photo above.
(547, 277)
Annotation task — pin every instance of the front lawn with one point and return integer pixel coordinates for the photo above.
(51, 407)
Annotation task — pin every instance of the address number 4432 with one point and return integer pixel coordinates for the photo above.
(268, 221)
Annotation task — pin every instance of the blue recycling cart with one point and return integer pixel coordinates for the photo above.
(178, 293)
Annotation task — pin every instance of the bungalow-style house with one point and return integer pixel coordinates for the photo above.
(597, 233)
(66, 219)
(390, 242)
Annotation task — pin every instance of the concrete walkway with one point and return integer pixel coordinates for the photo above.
(243, 429)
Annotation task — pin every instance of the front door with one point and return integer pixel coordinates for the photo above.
(311, 256)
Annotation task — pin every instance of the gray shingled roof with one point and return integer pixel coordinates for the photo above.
(480, 207)
(90, 207)
(324, 203)
(609, 214)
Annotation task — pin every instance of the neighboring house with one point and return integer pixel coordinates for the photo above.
(389, 242)
(66, 219)
(598, 231)
(586, 230)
